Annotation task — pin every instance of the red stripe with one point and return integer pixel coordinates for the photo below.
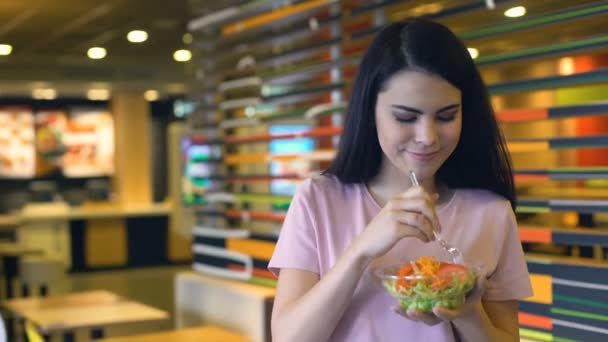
(258, 272)
(522, 115)
(535, 321)
(533, 234)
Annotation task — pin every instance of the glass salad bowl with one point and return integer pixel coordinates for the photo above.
(427, 282)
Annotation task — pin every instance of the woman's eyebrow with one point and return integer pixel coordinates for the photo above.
(418, 111)
(407, 109)
(446, 108)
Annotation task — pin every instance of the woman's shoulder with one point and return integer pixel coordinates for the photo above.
(482, 199)
(324, 185)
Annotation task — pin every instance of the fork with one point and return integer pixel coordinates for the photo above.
(454, 252)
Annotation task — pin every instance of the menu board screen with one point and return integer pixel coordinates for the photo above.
(89, 141)
(50, 147)
(17, 151)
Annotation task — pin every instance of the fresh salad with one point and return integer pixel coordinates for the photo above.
(427, 282)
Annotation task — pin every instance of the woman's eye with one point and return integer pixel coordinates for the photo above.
(446, 117)
(406, 118)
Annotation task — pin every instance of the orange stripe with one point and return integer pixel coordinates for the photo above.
(522, 115)
(536, 321)
(256, 271)
(256, 215)
(272, 16)
(531, 178)
(319, 132)
(533, 234)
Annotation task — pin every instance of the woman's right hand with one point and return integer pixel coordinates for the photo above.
(411, 214)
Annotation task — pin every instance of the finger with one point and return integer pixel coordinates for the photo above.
(400, 312)
(446, 314)
(478, 290)
(421, 205)
(416, 220)
(410, 231)
(420, 316)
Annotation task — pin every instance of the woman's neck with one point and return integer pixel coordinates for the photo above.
(390, 182)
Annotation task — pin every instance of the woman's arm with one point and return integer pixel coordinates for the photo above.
(308, 309)
(489, 321)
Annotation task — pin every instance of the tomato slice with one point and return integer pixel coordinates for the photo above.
(405, 271)
(445, 275)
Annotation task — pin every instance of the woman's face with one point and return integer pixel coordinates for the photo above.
(419, 120)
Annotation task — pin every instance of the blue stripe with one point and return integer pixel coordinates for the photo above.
(579, 239)
(578, 334)
(579, 307)
(566, 111)
(582, 293)
(535, 308)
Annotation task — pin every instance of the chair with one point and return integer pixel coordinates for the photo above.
(39, 272)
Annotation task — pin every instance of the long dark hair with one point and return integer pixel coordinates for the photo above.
(480, 160)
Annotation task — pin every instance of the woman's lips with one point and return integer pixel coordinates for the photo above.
(422, 156)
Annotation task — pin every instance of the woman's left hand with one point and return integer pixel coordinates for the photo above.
(441, 314)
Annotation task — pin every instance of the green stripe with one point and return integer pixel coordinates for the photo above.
(579, 314)
(523, 24)
(533, 210)
(568, 299)
(263, 281)
(554, 48)
(561, 339)
(276, 199)
(579, 169)
(537, 335)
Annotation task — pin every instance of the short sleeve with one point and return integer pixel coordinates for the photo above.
(510, 280)
(297, 243)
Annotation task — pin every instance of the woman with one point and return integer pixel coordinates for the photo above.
(418, 104)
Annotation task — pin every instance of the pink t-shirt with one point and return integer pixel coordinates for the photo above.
(325, 217)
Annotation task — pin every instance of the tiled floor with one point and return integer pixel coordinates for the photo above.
(151, 286)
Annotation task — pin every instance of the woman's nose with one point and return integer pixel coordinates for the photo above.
(426, 133)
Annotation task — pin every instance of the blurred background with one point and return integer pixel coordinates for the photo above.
(150, 149)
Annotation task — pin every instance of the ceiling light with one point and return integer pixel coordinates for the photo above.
(44, 94)
(473, 52)
(98, 94)
(182, 55)
(137, 36)
(187, 38)
(96, 53)
(5, 49)
(515, 12)
(151, 95)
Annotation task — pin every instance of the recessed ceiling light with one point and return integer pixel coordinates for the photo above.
(473, 52)
(151, 95)
(96, 53)
(5, 49)
(137, 36)
(515, 12)
(187, 38)
(44, 94)
(182, 55)
(98, 94)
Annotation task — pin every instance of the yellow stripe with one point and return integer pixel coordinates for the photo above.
(535, 146)
(543, 289)
(273, 16)
(254, 248)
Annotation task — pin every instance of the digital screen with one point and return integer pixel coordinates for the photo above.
(198, 165)
(288, 146)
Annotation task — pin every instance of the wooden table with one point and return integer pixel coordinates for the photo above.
(10, 253)
(20, 307)
(206, 334)
(93, 310)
